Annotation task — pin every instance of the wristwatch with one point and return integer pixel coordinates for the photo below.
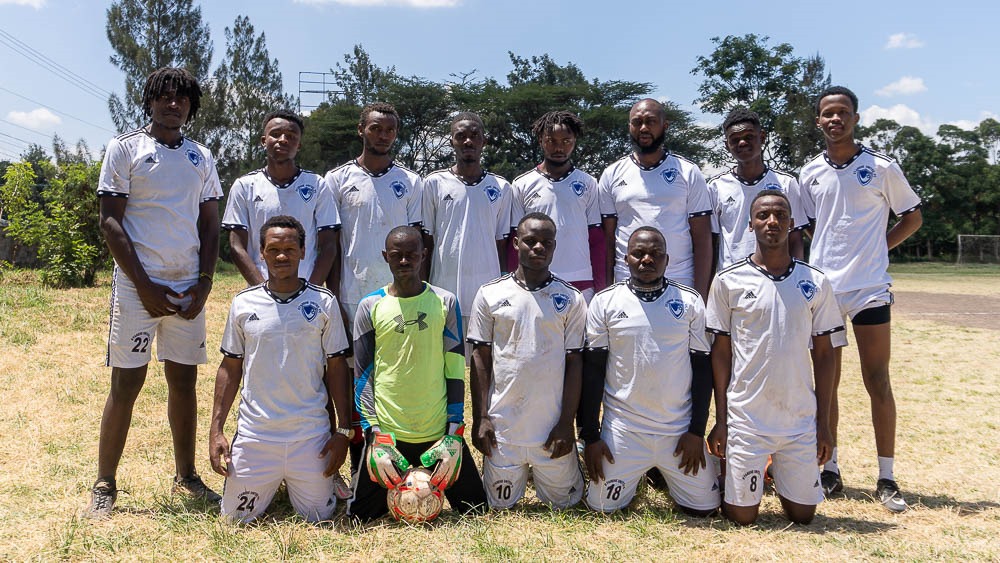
(349, 432)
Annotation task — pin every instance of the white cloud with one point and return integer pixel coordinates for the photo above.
(903, 41)
(969, 124)
(40, 118)
(904, 86)
(901, 114)
(367, 3)
(36, 4)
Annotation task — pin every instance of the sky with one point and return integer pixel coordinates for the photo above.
(918, 62)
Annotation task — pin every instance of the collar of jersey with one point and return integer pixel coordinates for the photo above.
(291, 297)
(555, 180)
(788, 272)
(372, 174)
(753, 182)
(666, 155)
(826, 157)
(470, 184)
(647, 296)
(525, 287)
(162, 144)
(286, 184)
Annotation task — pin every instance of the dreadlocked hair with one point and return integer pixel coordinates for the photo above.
(168, 79)
(545, 123)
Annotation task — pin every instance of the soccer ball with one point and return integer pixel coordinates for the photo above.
(414, 499)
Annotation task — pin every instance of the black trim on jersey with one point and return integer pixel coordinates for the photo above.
(369, 172)
(631, 156)
(545, 284)
(694, 352)
(344, 352)
(336, 227)
(131, 133)
(595, 348)
(292, 297)
(498, 279)
(647, 296)
(699, 213)
(610, 288)
(550, 178)
(320, 289)
(717, 331)
(750, 183)
(286, 184)
(609, 215)
(772, 277)
(108, 193)
(213, 198)
(831, 331)
(575, 350)
(799, 227)
(910, 210)
(482, 177)
(808, 265)
(234, 227)
(683, 287)
(730, 267)
(884, 157)
(475, 342)
(826, 157)
(229, 354)
(417, 224)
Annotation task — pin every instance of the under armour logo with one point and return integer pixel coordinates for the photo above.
(749, 295)
(253, 317)
(401, 323)
(621, 315)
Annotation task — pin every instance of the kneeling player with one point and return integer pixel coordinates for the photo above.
(764, 310)
(410, 385)
(647, 357)
(279, 338)
(528, 330)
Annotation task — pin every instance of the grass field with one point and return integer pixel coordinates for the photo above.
(53, 385)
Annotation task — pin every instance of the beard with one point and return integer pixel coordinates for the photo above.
(555, 163)
(653, 147)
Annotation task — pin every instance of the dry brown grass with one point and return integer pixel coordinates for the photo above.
(53, 385)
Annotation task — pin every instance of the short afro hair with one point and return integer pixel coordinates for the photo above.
(284, 222)
(380, 107)
(741, 114)
(285, 114)
(838, 91)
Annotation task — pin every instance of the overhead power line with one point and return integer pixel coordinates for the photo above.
(17, 139)
(40, 59)
(35, 131)
(101, 127)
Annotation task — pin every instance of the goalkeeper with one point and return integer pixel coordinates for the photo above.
(410, 385)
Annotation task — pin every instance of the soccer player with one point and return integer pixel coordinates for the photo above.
(647, 361)
(652, 187)
(764, 311)
(732, 191)
(528, 332)
(569, 196)
(410, 385)
(848, 192)
(280, 338)
(466, 217)
(159, 198)
(282, 188)
(373, 195)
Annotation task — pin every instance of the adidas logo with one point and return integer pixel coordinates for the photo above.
(534, 195)
(731, 200)
(621, 183)
(749, 295)
(258, 198)
(150, 160)
(352, 189)
(253, 317)
(504, 303)
(448, 198)
(202, 344)
(621, 315)
(815, 182)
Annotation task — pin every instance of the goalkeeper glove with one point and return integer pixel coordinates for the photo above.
(447, 453)
(385, 464)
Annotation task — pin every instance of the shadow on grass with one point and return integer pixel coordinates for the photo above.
(935, 502)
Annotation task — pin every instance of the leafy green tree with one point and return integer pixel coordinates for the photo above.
(772, 81)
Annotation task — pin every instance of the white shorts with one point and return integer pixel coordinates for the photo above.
(558, 482)
(794, 466)
(132, 329)
(636, 453)
(258, 468)
(853, 302)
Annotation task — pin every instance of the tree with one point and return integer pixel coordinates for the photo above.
(150, 34)
(771, 81)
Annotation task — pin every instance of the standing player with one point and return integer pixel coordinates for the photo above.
(159, 199)
(281, 336)
(848, 192)
(410, 385)
(569, 196)
(373, 195)
(466, 215)
(732, 191)
(282, 188)
(765, 310)
(528, 332)
(647, 358)
(652, 187)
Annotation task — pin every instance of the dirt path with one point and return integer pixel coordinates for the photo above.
(949, 308)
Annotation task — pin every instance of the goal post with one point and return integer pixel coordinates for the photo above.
(978, 249)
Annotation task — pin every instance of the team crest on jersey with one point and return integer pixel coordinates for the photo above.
(676, 308)
(306, 191)
(670, 174)
(399, 189)
(808, 289)
(865, 175)
(578, 188)
(492, 193)
(309, 310)
(194, 157)
(560, 301)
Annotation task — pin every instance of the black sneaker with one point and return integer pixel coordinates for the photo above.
(887, 492)
(102, 499)
(831, 482)
(192, 486)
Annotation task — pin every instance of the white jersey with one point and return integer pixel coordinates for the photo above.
(255, 198)
(851, 204)
(284, 345)
(370, 206)
(530, 333)
(573, 204)
(664, 196)
(465, 220)
(731, 197)
(649, 338)
(771, 320)
(165, 187)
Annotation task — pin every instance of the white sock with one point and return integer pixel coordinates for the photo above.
(885, 468)
(832, 464)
